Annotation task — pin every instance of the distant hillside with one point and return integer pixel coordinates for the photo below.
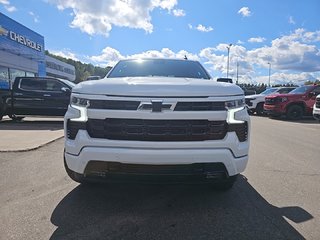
(83, 70)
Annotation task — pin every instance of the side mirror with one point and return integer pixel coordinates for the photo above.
(66, 90)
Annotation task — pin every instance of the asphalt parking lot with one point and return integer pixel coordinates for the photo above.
(277, 197)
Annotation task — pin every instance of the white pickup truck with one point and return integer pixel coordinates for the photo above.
(157, 120)
(316, 109)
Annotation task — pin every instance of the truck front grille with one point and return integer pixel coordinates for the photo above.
(133, 105)
(270, 101)
(73, 128)
(241, 129)
(248, 102)
(114, 105)
(200, 106)
(156, 130)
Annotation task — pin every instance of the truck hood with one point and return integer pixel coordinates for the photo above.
(157, 86)
(255, 96)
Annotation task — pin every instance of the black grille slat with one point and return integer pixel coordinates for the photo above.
(241, 129)
(157, 130)
(114, 104)
(200, 106)
(73, 128)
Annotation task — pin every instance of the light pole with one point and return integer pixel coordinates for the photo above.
(237, 73)
(228, 47)
(269, 72)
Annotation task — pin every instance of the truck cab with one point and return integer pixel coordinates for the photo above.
(36, 96)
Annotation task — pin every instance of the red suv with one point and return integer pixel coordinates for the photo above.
(295, 104)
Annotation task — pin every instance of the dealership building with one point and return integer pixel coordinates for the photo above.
(22, 53)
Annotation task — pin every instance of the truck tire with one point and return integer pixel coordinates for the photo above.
(294, 112)
(1, 109)
(259, 109)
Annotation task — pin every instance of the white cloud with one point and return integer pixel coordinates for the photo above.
(245, 12)
(284, 78)
(8, 6)
(292, 57)
(291, 20)
(240, 42)
(179, 12)
(201, 28)
(290, 52)
(66, 53)
(256, 40)
(35, 17)
(110, 56)
(98, 17)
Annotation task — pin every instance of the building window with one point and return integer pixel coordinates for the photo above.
(30, 74)
(4, 78)
(16, 73)
(4, 73)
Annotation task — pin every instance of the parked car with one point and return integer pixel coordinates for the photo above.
(156, 120)
(293, 105)
(316, 109)
(35, 96)
(248, 91)
(255, 102)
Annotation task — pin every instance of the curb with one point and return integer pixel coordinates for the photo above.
(32, 148)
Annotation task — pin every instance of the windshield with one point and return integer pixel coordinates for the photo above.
(158, 67)
(268, 91)
(301, 90)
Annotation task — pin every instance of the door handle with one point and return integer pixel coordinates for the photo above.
(47, 95)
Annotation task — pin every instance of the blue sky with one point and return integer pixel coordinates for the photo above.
(284, 33)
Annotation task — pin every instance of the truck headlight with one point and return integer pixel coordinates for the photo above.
(283, 99)
(235, 104)
(80, 102)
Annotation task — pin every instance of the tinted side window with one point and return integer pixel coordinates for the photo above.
(52, 85)
(32, 84)
(285, 90)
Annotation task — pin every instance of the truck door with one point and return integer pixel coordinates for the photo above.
(28, 97)
(57, 97)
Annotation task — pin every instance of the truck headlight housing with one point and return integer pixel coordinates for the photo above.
(283, 99)
(239, 103)
(80, 102)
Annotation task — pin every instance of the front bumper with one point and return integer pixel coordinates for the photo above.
(152, 157)
(316, 113)
(273, 109)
